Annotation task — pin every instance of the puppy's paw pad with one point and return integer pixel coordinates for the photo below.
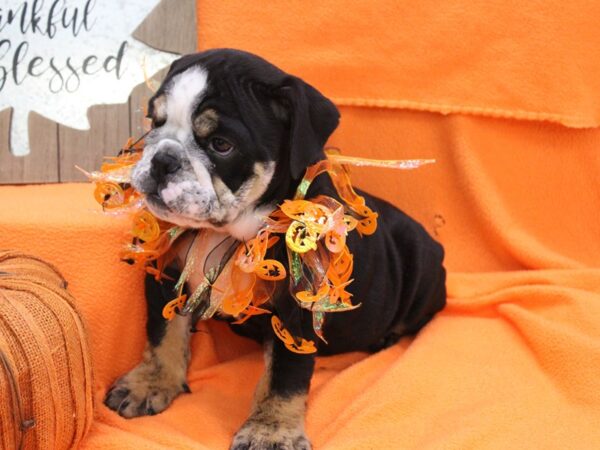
(143, 392)
(269, 436)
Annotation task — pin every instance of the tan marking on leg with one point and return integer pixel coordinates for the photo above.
(262, 388)
(153, 384)
(205, 123)
(173, 352)
(275, 421)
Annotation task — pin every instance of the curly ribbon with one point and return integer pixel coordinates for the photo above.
(314, 231)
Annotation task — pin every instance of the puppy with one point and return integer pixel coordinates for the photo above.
(231, 138)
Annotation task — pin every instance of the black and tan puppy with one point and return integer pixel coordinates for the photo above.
(232, 136)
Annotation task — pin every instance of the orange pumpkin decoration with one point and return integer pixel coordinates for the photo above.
(367, 225)
(146, 227)
(293, 344)
(174, 306)
(109, 195)
(271, 270)
(309, 297)
(300, 238)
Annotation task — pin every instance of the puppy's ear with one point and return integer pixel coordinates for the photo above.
(313, 118)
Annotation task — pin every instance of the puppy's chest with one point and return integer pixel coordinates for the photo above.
(204, 258)
(199, 255)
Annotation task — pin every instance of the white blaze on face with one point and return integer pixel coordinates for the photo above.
(184, 93)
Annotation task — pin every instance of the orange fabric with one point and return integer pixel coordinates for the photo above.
(514, 360)
(533, 60)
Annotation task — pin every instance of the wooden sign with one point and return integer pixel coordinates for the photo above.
(59, 58)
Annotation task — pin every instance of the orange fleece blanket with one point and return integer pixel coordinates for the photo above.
(505, 97)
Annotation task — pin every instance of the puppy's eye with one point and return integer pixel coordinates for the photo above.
(157, 123)
(220, 145)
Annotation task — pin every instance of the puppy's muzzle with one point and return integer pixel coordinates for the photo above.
(166, 160)
(164, 164)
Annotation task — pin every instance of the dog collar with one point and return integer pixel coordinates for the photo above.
(244, 280)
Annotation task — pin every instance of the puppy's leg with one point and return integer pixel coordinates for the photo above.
(277, 417)
(153, 384)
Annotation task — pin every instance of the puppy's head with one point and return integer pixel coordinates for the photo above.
(230, 133)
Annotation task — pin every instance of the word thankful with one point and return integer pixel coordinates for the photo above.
(40, 40)
(32, 17)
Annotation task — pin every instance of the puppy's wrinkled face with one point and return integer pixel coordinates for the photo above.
(201, 165)
(223, 123)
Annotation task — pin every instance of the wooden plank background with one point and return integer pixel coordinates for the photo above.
(56, 149)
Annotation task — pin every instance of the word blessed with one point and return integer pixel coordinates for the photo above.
(66, 75)
(48, 41)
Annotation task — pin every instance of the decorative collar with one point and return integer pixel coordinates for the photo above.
(245, 278)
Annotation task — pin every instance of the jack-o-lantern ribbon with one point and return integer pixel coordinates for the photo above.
(315, 233)
(314, 230)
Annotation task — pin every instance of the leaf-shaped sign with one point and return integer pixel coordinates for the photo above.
(59, 57)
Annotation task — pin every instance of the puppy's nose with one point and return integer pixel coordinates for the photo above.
(163, 164)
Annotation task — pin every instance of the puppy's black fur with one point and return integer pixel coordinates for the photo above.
(399, 278)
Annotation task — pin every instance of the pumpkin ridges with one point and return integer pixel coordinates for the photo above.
(43, 339)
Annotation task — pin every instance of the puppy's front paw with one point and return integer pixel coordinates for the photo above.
(146, 390)
(270, 435)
